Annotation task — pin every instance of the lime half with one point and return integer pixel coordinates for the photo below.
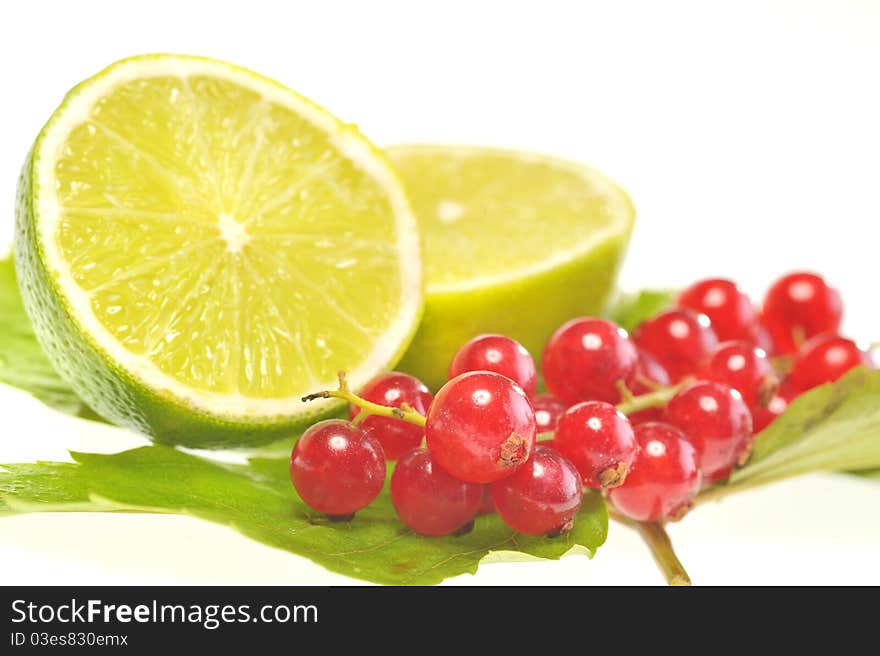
(515, 243)
(199, 247)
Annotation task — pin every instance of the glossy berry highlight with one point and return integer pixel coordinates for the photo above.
(743, 367)
(480, 427)
(824, 359)
(729, 309)
(541, 497)
(395, 389)
(678, 339)
(598, 439)
(430, 501)
(665, 477)
(337, 468)
(799, 306)
(500, 354)
(717, 422)
(585, 358)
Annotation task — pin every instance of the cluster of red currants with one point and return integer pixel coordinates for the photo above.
(646, 419)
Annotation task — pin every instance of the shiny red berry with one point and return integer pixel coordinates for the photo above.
(429, 500)
(480, 427)
(585, 358)
(745, 368)
(541, 497)
(824, 359)
(598, 439)
(762, 417)
(337, 468)
(731, 311)
(487, 506)
(500, 354)
(649, 374)
(679, 339)
(799, 306)
(393, 390)
(665, 477)
(717, 422)
(548, 409)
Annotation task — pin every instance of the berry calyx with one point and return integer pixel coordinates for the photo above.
(430, 501)
(824, 359)
(586, 358)
(337, 468)
(394, 390)
(480, 427)
(548, 409)
(500, 354)
(665, 477)
(717, 422)
(729, 309)
(541, 497)
(678, 339)
(799, 306)
(598, 439)
(744, 368)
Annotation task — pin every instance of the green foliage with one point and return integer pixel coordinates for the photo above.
(258, 500)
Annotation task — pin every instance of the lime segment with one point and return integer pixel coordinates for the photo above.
(220, 244)
(515, 243)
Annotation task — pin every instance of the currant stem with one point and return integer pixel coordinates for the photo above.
(367, 408)
(655, 536)
(656, 399)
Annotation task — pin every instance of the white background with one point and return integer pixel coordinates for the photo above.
(748, 134)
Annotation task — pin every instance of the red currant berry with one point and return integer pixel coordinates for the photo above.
(541, 497)
(649, 374)
(500, 354)
(762, 339)
(487, 506)
(337, 468)
(585, 358)
(429, 500)
(393, 390)
(598, 439)
(824, 359)
(679, 339)
(480, 427)
(665, 478)
(717, 422)
(763, 417)
(743, 367)
(800, 306)
(731, 311)
(548, 409)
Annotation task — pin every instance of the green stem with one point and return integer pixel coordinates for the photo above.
(655, 536)
(656, 399)
(367, 408)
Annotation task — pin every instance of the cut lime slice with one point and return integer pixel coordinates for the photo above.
(199, 247)
(515, 243)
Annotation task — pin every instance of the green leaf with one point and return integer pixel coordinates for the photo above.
(22, 362)
(835, 427)
(629, 310)
(258, 500)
